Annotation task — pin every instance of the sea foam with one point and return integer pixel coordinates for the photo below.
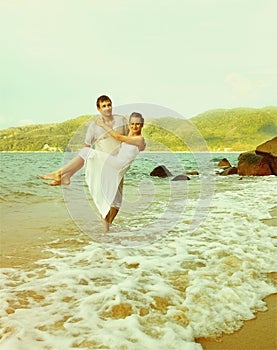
(191, 281)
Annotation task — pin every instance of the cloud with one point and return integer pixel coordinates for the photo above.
(26, 122)
(244, 87)
(240, 85)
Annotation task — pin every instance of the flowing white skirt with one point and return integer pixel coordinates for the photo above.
(104, 173)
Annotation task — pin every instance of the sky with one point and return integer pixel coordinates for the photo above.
(58, 56)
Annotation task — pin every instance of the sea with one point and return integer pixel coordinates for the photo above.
(183, 259)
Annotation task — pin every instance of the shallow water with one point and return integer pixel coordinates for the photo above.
(183, 260)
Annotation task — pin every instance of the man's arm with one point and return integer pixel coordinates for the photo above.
(121, 124)
(125, 127)
(90, 137)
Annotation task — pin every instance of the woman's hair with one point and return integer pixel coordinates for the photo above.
(102, 99)
(137, 115)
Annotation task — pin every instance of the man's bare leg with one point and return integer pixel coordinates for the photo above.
(106, 224)
(109, 218)
(62, 176)
(112, 214)
(118, 199)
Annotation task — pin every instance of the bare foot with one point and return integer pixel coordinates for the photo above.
(55, 183)
(65, 180)
(106, 225)
(55, 176)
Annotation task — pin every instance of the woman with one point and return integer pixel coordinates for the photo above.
(104, 171)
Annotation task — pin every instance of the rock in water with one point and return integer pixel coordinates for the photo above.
(161, 171)
(224, 162)
(268, 150)
(252, 164)
(230, 171)
(180, 178)
(193, 172)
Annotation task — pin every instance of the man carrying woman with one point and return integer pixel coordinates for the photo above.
(104, 172)
(103, 142)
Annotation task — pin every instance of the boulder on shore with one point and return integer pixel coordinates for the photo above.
(252, 164)
(181, 177)
(161, 171)
(261, 162)
(268, 150)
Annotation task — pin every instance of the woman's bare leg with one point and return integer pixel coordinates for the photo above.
(62, 176)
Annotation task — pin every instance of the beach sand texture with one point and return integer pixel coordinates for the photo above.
(257, 334)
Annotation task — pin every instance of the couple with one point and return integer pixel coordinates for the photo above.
(115, 150)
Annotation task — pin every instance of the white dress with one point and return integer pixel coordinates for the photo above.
(103, 141)
(104, 173)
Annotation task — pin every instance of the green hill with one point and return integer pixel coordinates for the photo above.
(219, 130)
(34, 137)
(239, 128)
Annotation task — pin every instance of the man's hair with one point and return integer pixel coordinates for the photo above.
(102, 99)
(137, 115)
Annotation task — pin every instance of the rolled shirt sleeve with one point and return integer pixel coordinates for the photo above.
(91, 134)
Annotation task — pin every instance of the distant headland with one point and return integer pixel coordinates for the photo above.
(223, 130)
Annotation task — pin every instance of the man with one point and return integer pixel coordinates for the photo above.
(104, 172)
(96, 136)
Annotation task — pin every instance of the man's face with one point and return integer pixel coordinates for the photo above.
(135, 125)
(105, 108)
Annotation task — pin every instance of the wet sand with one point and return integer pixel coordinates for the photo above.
(257, 334)
(26, 233)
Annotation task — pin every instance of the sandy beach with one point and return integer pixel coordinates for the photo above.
(257, 334)
(62, 289)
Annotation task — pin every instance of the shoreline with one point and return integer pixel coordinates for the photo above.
(219, 152)
(258, 333)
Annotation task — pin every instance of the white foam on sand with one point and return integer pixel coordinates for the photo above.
(160, 296)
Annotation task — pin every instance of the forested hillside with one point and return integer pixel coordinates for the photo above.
(222, 129)
(238, 129)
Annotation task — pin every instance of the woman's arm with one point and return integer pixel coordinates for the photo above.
(132, 140)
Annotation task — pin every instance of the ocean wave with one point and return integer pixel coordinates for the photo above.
(206, 274)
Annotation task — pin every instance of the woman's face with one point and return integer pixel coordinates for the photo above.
(135, 125)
